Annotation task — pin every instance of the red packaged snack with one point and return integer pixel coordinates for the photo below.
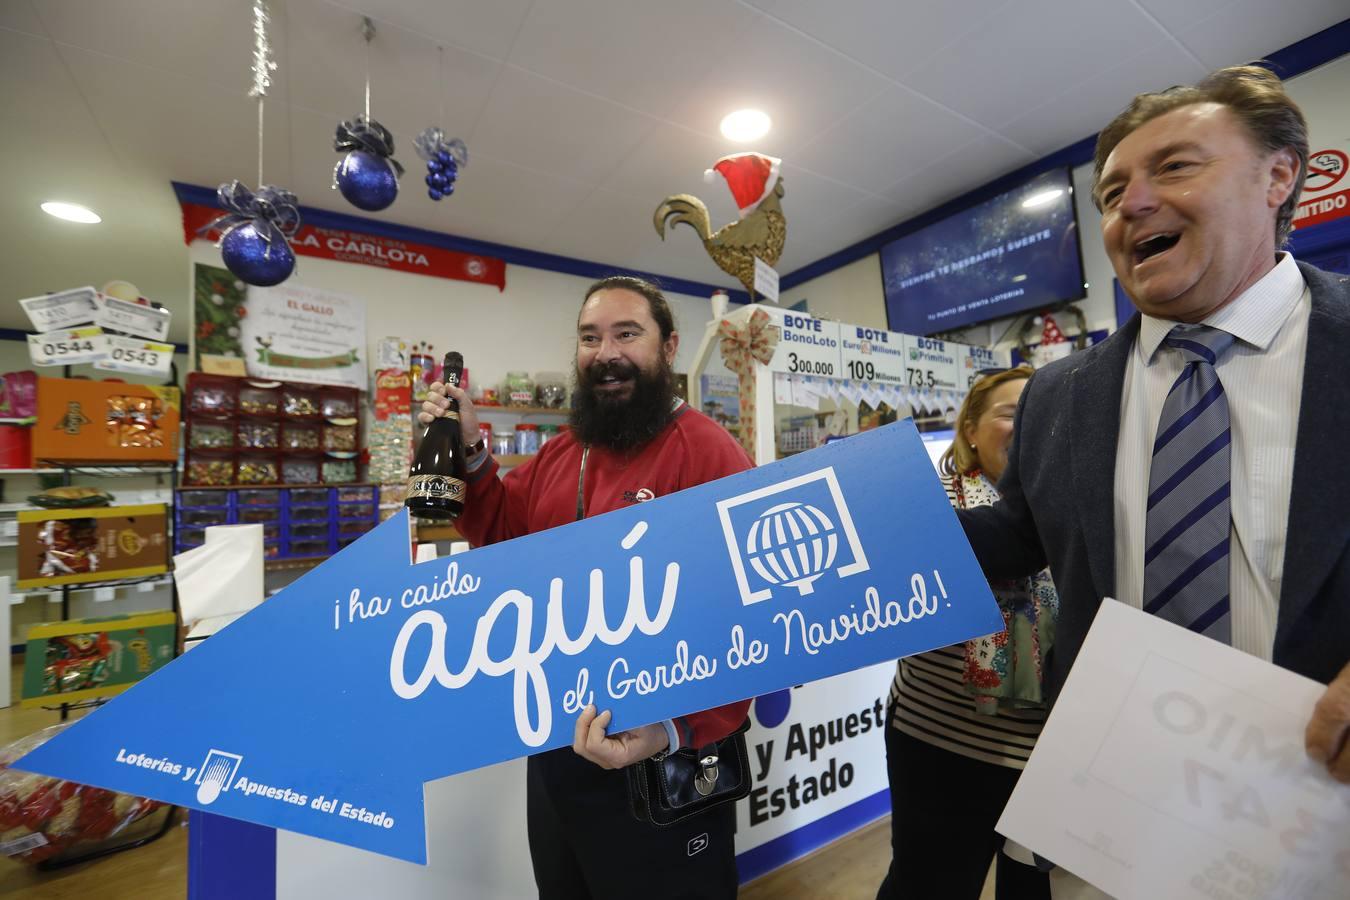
(41, 817)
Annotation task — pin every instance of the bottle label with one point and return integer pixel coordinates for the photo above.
(436, 487)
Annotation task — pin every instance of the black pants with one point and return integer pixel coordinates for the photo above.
(943, 810)
(585, 844)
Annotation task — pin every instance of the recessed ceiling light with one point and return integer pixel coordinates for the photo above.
(71, 212)
(745, 125)
(1042, 198)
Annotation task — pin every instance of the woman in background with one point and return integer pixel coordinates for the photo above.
(965, 718)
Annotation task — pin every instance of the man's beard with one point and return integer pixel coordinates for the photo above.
(622, 424)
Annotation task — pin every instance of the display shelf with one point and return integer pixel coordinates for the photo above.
(113, 470)
(296, 562)
(4, 472)
(439, 533)
(524, 410)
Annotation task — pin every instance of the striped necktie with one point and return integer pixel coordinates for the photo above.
(1189, 518)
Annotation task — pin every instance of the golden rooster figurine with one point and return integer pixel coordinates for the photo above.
(761, 229)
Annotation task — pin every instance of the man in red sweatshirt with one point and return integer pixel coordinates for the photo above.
(631, 439)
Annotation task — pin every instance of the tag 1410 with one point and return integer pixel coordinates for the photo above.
(64, 309)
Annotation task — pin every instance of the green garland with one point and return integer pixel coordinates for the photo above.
(219, 304)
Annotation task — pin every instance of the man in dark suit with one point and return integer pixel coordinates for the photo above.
(1193, 464)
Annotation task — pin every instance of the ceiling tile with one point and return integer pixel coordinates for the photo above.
(546, 126)
(1175, 15)
(485, 28)
(157, 125)
(962, 170)
(893, 38)
(1031, 50)
(1085, 108)
(672, 160)
(593, 45)
(804, 87)
(21, 17)
(211, 43)
(894, 133)
(409, 80)
(1249, 29)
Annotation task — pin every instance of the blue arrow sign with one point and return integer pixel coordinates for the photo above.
(325, 710)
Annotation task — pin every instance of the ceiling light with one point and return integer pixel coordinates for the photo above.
(71, 212)
(1042, 198)
(745, 125)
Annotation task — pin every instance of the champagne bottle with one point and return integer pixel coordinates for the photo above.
(436, 483)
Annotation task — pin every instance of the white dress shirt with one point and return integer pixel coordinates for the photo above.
(1262, 377)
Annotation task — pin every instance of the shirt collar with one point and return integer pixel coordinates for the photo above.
(1254, 318)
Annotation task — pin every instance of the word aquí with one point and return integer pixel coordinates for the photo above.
(811, 636)
(525, 663)
(453, 585)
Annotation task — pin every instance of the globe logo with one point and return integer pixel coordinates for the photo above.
(792, 544)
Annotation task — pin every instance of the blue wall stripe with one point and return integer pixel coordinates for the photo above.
(229, 859)
(1309, 53)
(797, 843)
(323, 218)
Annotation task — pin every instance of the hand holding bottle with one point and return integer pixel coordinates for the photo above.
(436, 480)
(438, 401)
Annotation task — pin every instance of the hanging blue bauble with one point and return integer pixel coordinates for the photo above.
(444, 160)
(368, 175)
(255, 232)
(366, 180)
(249, 256)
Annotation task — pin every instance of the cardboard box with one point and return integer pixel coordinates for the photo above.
(74, 546)
(105, 422)
(67, 662)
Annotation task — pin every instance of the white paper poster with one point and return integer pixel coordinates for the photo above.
(297, 333)
(1173, 766)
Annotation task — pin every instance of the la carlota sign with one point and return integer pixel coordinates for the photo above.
(326, 709)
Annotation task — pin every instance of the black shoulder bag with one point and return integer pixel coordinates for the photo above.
(663, 790)
(678, 784)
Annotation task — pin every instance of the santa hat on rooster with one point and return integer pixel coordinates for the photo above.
(751, 177)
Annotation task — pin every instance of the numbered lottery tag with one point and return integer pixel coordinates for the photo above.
(139, 319)
(52, 312)
(136, 355)
(68, 346)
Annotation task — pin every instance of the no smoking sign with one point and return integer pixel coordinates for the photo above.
(1325, 169)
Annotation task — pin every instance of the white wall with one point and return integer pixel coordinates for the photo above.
(531, 326)
(854, 293)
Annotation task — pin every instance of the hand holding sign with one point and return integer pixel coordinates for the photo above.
(828, 561)
(615, 751)
(1328, 736)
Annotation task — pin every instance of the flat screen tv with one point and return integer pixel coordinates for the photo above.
(1012, 253)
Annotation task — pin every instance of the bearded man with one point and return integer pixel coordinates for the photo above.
(631, 439)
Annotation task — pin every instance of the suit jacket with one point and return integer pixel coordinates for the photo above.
(1059, 492)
